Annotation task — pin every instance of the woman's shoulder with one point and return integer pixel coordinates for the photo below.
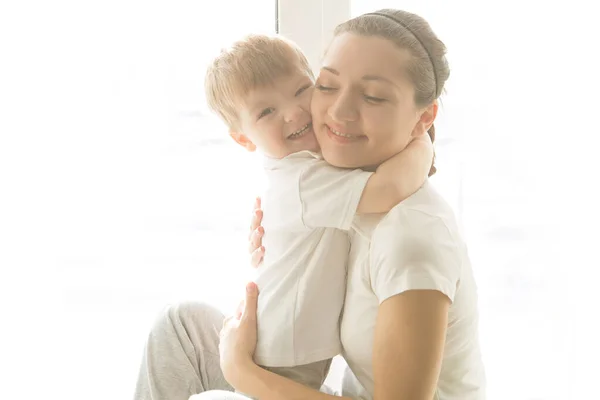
(425, 214)
(417, 246)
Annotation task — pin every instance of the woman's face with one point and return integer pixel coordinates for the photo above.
(363, 106)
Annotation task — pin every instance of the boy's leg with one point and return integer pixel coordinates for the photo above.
(181, 357)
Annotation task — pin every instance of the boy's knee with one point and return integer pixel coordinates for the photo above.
(187, 313)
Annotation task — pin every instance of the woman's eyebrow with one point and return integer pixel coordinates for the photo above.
(369, 77)
(376, 78)
(332, 70)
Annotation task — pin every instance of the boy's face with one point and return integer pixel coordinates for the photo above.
(276, 119)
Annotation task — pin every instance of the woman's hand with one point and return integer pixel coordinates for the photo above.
(238, 340)
(257, 251)
(237, 346)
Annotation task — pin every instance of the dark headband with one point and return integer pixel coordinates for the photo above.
(435, 77)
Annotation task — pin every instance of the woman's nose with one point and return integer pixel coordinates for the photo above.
(343, 109)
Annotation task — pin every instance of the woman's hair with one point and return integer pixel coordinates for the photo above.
(428, 70)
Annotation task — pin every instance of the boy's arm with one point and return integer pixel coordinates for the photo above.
(398, 178)
(330, 197)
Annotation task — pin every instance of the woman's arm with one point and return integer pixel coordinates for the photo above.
(407, 353)
(265, 385)
(415, 273)
(410, 334)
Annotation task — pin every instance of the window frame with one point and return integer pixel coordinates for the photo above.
(310, 24)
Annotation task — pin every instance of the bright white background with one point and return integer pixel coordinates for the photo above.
(119, 194)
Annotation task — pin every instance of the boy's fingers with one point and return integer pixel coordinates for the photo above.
(257, 257)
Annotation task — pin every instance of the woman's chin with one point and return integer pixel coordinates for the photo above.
(340, 160)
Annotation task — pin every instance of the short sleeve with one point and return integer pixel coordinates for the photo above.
(330, 195)
(414, 251)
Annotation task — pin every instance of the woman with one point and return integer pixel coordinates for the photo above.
(409, 328)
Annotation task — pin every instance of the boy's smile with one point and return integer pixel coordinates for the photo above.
(276, 119)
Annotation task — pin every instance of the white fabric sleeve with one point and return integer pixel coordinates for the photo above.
(330, 195)
(416, 252)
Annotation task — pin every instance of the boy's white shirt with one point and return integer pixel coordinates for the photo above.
(308, 206)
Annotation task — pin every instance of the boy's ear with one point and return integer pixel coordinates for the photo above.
(242, 140)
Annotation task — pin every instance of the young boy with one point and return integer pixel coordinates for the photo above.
(261, 87)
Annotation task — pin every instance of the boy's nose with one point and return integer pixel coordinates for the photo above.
(294, 113)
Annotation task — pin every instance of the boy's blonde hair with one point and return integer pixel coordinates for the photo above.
(253, 62)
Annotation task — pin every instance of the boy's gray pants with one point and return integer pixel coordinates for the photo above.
(181, 358)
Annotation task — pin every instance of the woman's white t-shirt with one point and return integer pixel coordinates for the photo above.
(416, 245)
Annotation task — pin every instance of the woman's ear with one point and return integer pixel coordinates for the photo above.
(426, 119)
(242, 140)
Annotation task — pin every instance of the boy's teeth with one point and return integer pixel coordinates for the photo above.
(299, 132)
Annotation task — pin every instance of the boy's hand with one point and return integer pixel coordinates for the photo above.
(425, 141)
(257, 251)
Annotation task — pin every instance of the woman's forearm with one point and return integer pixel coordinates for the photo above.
(266, 385)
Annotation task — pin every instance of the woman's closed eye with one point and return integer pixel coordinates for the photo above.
(265, 112)
(323, 88)
(373, 99)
